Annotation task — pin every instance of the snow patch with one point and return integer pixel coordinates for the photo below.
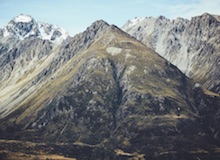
(6, 33)
(113, 50)
(23, 18)
(47, 31)
(134, 21)
(197, 85)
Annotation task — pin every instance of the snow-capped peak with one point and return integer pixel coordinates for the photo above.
(50, 32)
(24, 26)
(134, 21)
(23, 18)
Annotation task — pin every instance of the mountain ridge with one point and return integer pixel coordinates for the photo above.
(188, 44)
(102, 94)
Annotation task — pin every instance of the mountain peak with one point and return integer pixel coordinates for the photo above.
(206, 14)
(23, 18)
(23, 26)
(101, 22)
(95, 28)
(98, 24)
(161, 17)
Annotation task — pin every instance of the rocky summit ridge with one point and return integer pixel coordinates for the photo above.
(101, 94)
(191, 45)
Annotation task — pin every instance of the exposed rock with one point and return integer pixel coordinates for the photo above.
(88, 99)
(193, 46)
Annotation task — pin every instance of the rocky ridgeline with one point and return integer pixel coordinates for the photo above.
(191, 45)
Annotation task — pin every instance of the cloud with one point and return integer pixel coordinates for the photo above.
(190, 9)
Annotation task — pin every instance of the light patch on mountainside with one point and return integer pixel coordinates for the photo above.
(130, 69)
(129, 56)
(114, 50)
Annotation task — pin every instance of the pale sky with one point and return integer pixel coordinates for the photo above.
(75, 16)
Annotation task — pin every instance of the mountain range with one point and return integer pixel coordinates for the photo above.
(107, 94)
(191, 45)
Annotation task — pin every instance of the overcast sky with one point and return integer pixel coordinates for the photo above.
(75, 16)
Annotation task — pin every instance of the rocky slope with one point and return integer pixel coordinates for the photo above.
(103, 95)
(191, 45)
(24, 45)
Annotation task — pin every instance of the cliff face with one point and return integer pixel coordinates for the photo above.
(103, 95)
(193, 46)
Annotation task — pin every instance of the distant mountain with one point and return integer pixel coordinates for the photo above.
(101, 94)
(24, 26)
(191, 45)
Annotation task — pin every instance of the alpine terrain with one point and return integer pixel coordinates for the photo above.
(191, 45)
(101, 94)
